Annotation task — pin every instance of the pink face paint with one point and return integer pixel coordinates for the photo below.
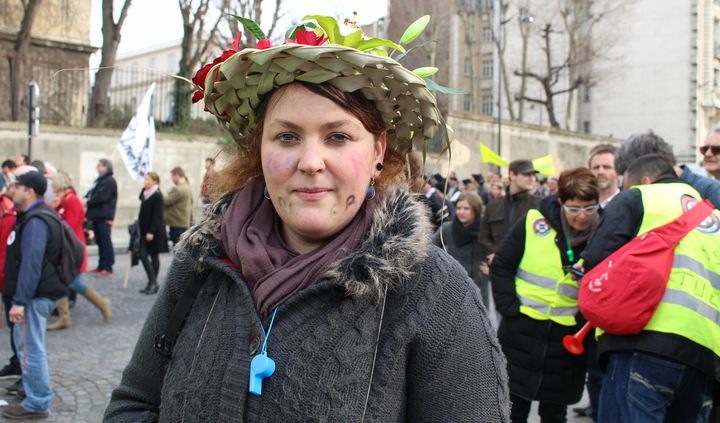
(356, 165)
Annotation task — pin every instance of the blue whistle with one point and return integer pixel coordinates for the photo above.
(261, 367)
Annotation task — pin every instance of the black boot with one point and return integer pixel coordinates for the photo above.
(151, 288)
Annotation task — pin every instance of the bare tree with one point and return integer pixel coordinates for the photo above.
(17, 59)
(199, 32)
(497, 35)
(468, 11)
(252, 10)
(99, 107)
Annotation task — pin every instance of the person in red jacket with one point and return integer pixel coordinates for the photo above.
(8, 216)
(69, 207)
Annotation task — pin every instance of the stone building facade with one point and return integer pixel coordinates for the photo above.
(60, 42)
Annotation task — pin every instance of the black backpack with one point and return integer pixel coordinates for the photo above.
(72, 251)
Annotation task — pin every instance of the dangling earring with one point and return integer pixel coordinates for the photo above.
(266, 193)
(371, 190)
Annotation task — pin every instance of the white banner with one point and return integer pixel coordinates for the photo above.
(137, 145)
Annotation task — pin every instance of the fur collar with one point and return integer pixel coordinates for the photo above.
(399, 239)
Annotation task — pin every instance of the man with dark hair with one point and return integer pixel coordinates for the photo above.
(638, 145)
(101, 202)
(178, 205)
(602, 165)
(678, 347)
(502, 213)
(482, 190)
(22, 160)
(33, 285)
(8, 166)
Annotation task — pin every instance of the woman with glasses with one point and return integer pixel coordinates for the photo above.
(536, 294)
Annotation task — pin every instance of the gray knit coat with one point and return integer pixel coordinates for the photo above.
(395, 333)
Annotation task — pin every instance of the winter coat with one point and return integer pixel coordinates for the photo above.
(620, 223)
(151, 221)
(102, 198)
(540, 368)
(8, 216)
(178, 206)
(465, 248)
(500, 215)
(71, 210)
(396, 327)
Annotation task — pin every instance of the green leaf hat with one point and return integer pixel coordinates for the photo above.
(235, 87)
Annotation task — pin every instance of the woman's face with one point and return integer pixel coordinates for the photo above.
(580, 213)
(149, 182)
(317, 161)
(464, 212)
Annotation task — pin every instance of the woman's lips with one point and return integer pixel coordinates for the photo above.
(312, 194)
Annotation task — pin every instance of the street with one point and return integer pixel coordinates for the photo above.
(86, 361)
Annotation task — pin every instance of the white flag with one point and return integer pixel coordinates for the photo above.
(137, 145)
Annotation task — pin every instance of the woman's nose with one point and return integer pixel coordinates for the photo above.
(312, 158)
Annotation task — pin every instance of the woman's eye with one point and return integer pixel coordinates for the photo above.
(286, 138)
(339, 138)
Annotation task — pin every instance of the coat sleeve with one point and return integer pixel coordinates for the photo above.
(485, 234)
(707, 187)
(103, 192)
(137, 398)
(457, 372)
(172, 197)
(504, 267)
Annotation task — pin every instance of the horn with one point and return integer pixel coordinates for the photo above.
(574, 343)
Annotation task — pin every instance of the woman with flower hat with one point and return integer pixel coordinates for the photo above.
(318, 294)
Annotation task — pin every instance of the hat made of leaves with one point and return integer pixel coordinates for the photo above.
(235, 84)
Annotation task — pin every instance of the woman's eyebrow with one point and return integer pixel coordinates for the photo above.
(325, 126)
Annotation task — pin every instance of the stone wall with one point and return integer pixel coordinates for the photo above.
(520, 141)
(77, 151)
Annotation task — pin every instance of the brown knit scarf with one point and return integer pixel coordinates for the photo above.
(252, 241)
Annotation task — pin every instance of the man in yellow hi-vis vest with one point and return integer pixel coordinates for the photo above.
(666, 372)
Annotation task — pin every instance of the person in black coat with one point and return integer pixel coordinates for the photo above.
(535, 322)
(101, 202)
(153, 240)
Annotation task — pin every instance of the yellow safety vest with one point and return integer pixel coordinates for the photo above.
(545, 290)
(691, 304)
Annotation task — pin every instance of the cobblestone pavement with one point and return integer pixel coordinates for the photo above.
(86, 361)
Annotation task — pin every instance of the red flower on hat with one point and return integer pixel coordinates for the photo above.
(307, 38)
(263, 44)
(199, 78)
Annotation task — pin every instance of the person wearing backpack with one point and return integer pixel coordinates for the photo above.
(666, 372)
(33, 284)
(68, 206)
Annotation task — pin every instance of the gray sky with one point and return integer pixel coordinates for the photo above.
(152, 22)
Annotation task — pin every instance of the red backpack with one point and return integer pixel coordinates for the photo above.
(621, 294)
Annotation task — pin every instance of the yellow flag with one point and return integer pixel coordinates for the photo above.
(491, 157)
(545, 165)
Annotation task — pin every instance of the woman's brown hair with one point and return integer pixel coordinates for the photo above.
(473, 200)
(578, 183)
(245, 165)
(154, 176)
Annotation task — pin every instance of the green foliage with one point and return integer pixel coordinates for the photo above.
(414, 30)
(434, 86)
(425, 72)
(251, 26)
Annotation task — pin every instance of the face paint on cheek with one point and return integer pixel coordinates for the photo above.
(350, 201)
(356, 165)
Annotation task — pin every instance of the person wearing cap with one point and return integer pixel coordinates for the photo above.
(320, 296)
(33, 285)
(502, 213)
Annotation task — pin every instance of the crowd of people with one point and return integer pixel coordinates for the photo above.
(330, 279)
(35, 200)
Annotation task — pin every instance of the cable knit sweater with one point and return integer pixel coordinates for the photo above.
(437, 359)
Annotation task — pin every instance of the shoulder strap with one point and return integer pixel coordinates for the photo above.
(165, 342)
(686, 222)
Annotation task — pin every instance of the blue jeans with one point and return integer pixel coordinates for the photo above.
(175, 233)
(78, 285)
(644, 388)
(36, 376)
(104, 243)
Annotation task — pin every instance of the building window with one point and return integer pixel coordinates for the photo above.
(468, 66)
(487, 105)
(586, 126)
(586, 98)
(151, 64)
(487, 69)
(467, 103)
(170, 63)
(487, 35)
(133, 72)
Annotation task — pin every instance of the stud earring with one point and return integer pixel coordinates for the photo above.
(379, 167)
(371, 190)
(266, 193)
